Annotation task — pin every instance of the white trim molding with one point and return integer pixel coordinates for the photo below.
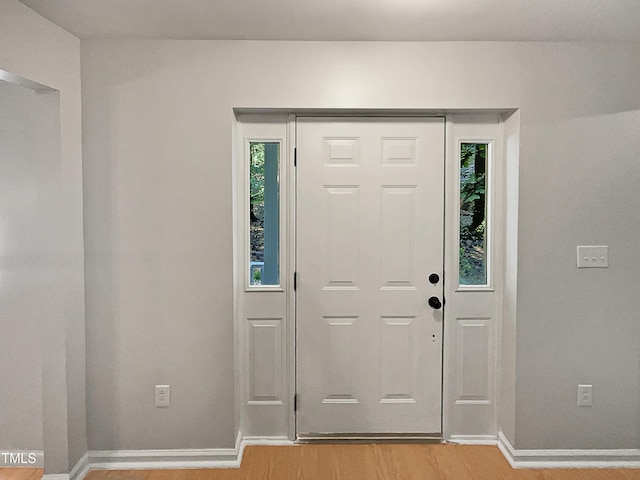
(161, 459)
(561, 458)
(80, 470)
(56, 476)
(473, 439)
(165, 459)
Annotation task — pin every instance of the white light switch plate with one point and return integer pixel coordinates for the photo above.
(593, 256)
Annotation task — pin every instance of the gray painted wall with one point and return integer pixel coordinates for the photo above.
(580, 326)
(22, 243)
(158, 202)
(36, 50)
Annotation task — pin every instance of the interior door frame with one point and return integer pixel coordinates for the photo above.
(458, 125)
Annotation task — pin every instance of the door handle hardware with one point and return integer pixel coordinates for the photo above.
(434, 278)
(434, 302)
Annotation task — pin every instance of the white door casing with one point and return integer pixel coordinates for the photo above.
(370, 211)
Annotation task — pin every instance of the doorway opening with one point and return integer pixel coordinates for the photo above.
(385, 320)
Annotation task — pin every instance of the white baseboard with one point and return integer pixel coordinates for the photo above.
(473, 439)
(80, 470)
(161, 459)
(56, 476)
(164, 459)
(614, 458)
(177, 458)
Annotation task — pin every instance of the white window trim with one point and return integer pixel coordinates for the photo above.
(282, 142)
(489, 212)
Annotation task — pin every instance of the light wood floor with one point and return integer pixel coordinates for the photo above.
(21, 473)
(362, 462)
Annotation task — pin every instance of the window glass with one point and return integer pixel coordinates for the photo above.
(264, 213)
(473, 213)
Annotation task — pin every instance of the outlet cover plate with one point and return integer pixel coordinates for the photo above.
(585, 395)
(163, 395)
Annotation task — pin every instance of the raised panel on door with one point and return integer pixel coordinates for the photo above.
(340, 378)
(473, 361)
(397, 365)
(265, 361)
(342, 225)
(369, 232)
(396, 236)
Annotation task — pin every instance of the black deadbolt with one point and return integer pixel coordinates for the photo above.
(434, 278)
(434, 302)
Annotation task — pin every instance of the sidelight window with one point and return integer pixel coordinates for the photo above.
(473, 213)
(264, 213)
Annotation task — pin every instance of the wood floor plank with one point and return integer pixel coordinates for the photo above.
(449, 464)
(119, 474)
(358, 462)
(419, 455)
(275, 462)
(582, 474)
(7, 473)
(630, 474)
(488, 463)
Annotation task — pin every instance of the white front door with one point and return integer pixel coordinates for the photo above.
(370, 209)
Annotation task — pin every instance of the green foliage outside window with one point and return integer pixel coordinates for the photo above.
(256, 205)
(473, 223)
(256, 175)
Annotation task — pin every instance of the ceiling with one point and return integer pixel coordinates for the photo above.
(424, 20)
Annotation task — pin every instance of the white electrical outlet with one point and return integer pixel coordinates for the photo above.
(585, 397)
(593, 256)
(163, 395)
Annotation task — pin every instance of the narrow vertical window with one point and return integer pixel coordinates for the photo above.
(264, 213)
(473, 213)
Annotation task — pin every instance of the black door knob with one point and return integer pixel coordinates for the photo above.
(434, 278)
(434, 302)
